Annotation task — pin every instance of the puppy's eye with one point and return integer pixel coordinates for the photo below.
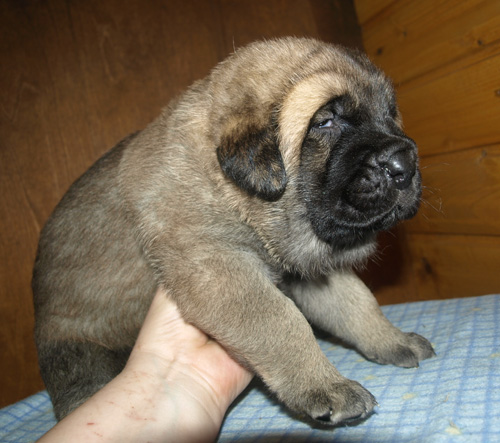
(328, 123)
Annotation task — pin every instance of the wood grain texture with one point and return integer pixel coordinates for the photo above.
(369, 9)
(76, 77)
(457, 111)
(461, 193)
(411, 39)
(389, 274)
(454, 265)
(416, 267)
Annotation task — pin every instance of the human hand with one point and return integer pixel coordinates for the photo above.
(176, 386)
(195, 370)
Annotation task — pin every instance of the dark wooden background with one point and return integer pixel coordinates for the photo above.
(76, 77)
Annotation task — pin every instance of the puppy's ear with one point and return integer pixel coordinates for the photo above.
(253, 161)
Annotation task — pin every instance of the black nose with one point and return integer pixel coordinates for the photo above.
(400, 167)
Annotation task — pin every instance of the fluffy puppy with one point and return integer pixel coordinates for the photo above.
(250, 199)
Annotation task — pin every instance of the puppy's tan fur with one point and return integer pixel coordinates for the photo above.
(181, 204)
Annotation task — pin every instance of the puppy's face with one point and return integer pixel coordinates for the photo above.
(327, 150)
(358, 170)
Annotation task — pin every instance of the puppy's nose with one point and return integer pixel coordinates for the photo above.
(400, 167)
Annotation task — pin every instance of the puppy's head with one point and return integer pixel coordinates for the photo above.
(329, 133)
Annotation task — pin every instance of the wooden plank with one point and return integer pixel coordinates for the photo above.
(447, 266)
(69, 92)
(389, 274)
(336, 21)
(368, 9)
(461, 193)
(329, 20)
(457, 111)
(413, 38)
(18, 361)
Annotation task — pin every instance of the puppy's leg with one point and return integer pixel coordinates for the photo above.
(342, 305)
(230, 296)
(73, 372)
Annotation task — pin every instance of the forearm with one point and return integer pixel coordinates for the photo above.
(138, 407)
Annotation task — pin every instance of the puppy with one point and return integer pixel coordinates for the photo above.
(250, 198)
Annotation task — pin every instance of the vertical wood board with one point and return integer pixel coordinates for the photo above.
(410, 39)
(458, 111)
(369, 9)
(461, 193)
(449, 266)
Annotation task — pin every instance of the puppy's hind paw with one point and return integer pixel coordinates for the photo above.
(406, 352)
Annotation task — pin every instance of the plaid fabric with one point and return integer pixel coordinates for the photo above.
(452, 397)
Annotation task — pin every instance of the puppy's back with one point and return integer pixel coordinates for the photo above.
(88, 235)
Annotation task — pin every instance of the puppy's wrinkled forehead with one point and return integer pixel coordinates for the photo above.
(310, 94)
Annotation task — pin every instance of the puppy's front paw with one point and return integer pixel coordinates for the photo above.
(342, 402)
(405, 351)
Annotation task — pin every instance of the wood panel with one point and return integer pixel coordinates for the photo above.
(461, 193)
(434, 33)
(92, 85)
(368, 9)
(78, 76)
(69, 92)
(456, 111)
(328, 20)
(389, 273)
(448, 266)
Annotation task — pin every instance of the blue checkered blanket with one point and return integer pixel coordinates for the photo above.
(452, 397)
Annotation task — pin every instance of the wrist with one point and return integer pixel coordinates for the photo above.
(173, 392)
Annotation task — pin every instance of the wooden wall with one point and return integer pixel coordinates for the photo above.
(76, 77)
(444, 57)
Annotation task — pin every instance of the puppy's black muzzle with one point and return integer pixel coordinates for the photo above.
(370, 183)
(382, 174)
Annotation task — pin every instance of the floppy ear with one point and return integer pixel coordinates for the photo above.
(253, 161)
